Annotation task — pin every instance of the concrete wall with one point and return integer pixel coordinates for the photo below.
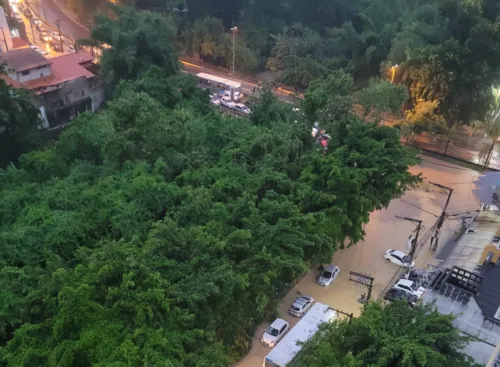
(98, 94)
(31, 74)
(75, 90)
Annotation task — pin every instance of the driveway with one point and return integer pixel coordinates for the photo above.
(382, 232)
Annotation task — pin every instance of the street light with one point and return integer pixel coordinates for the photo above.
(234, 29)
(393, 72)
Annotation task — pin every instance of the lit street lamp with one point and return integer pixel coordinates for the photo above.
(234, 29)
(393, 68)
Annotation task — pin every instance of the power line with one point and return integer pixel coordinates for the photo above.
(416, 206)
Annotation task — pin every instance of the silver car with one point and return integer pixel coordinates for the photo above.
(329, 273)
(300, 306)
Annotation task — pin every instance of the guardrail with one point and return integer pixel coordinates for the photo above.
(228, 111)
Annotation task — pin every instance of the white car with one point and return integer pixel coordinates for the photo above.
(71, 49)
(398, 258)
(328, 275)
(227, 102)
(214, 99)
(300, 306)
(409, 287)
(34, 47)
(55, 35)
(275, 332)
(240, 107)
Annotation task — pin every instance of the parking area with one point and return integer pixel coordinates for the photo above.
(384, 231)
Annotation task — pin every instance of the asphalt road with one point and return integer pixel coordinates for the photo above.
(48, 9)
(384, 231)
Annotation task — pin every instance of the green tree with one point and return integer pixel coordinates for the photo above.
(381, 96)
(329, 97)
(20, 123)
(389, 336)
(137, 40)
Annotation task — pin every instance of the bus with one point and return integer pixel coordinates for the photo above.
(286, 350)
(220, 85)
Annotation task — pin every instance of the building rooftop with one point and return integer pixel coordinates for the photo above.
(19, 43)
(7, 79)
(23, 59)
(470, 247)
(69, 66)
(488, 297)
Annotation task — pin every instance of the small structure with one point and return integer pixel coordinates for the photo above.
(65, 85)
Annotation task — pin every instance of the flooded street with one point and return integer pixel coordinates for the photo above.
(384, 231)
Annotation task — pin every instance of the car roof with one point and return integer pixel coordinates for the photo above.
(397, 252)
(301, 300)
(330, 267)
(405, 282)
(278, 323)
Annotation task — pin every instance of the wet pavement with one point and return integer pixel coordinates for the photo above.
(384, 231)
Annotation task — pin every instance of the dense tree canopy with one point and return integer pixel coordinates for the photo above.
(391, 336)
(19, 123)
(160, 233)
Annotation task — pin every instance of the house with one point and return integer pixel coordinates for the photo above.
(467, 286)
(65, 85)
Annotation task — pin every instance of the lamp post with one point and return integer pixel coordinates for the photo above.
(393, 72)
(234, 29)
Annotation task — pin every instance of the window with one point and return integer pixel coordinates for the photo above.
(25, 72)
(497, 314)
(283, 329)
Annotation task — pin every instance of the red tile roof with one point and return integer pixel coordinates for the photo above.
(69, 66)
(43, 82)
(7, 79)
(23, 59)
(19, 43)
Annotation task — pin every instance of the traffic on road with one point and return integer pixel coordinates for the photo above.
(43, 36)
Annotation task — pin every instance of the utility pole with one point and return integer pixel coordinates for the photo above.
(414, 242)
(59, 30)
(234, 29)
(44, 13)
(31, 21)
(435, 236)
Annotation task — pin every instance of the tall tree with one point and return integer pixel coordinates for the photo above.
(20, 123)
(132, 42)
(391, 336)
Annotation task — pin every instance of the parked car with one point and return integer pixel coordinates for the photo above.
(227, 102)
(27, 12)
(42, 52)
(44, 36)
(398, 258)
(328, 275)
(71, 49)
(240, 107)
(34, 47)
(215, 100)
(395, 293)
(55, 35)
(18, 18)
(275, 332)
(40, 27)
(300, 306)
(56, 46)
(410, 287)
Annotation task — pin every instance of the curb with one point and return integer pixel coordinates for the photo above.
(70, 16)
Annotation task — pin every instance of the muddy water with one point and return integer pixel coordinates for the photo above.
(384, 231)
